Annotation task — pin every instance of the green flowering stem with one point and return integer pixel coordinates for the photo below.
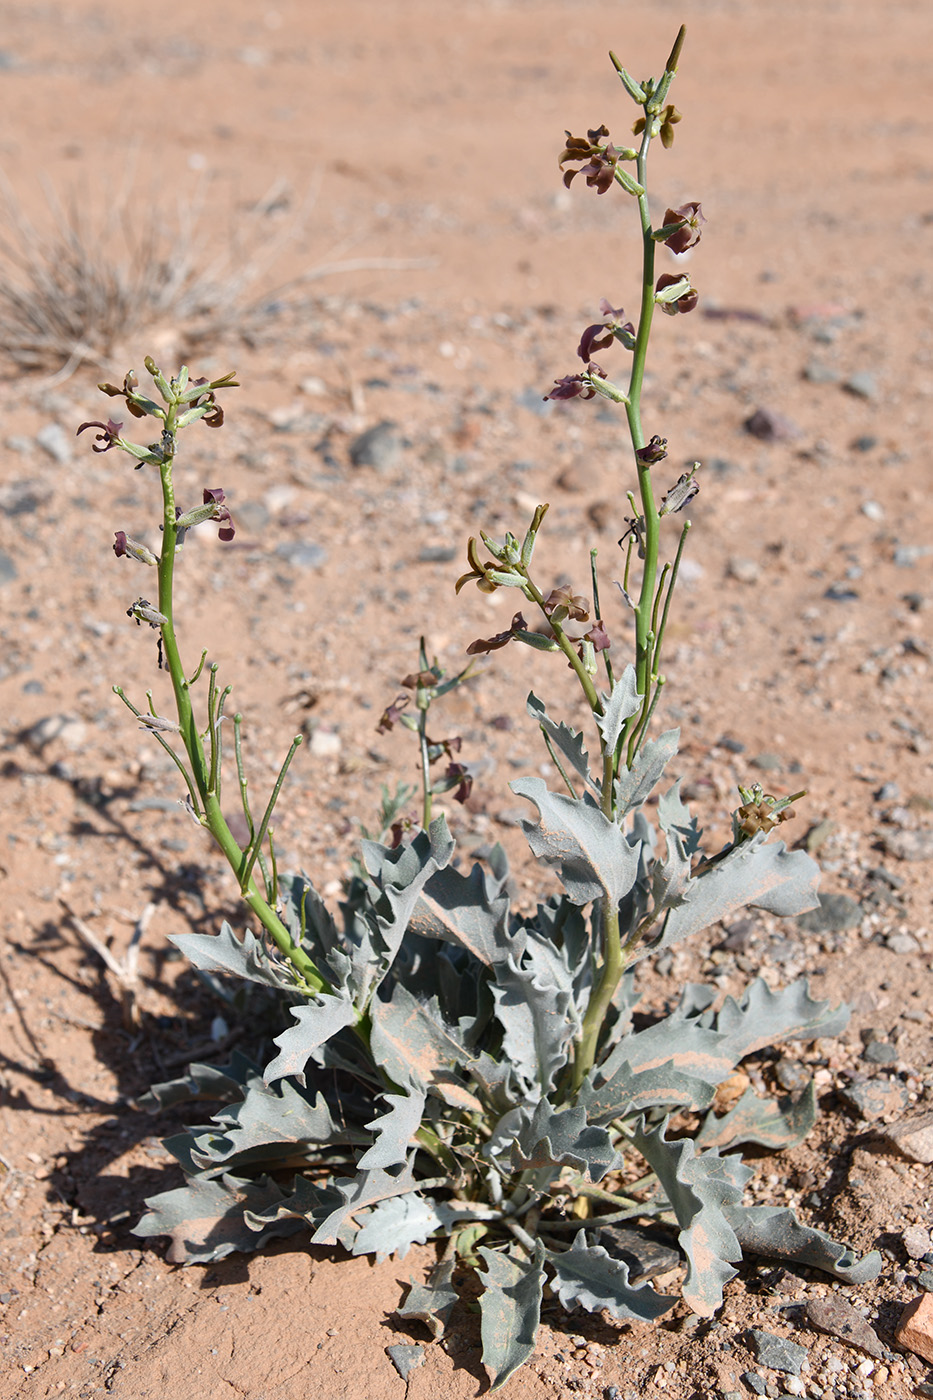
(649, 510)
(204, 777)
(601, 999)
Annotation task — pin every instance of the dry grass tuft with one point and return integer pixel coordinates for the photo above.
(81, 290)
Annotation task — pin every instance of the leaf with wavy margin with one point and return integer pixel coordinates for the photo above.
(394, 1130)
(268, 1123)
(629, 1091)
(316, 1021)
(363, 1190)
(568, 742)
(510, 1309)
(696, 1192)
(224, 952)
(635, 785)
(394, 1225)
(588, 1275)
(591, 853)
(458, 909)
(413, 1044)
(774, 1123)
(622, 702)
(433, 1301)
(764, 1016)
(220, 1083)
(204, 1219)
(550, 1136)
(756, 875)
(776, 1232)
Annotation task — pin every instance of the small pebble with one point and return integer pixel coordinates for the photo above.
(863, 384)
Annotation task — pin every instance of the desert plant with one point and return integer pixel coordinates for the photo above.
(488, 1085)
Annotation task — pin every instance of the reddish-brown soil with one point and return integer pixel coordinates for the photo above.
(420, 140)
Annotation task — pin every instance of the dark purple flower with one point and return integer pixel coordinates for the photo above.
(688, 219)
(421, 680)
(125, 548)
(458, 773)
(600, 159)
(483, 646)
(108, 436)
(577, 607)
(601, 336)
(598, 636)
(682, 304)
(214, 495)
(572, 386)
(391, 714)
(654, 451)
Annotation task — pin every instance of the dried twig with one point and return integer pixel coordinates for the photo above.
(125, 969)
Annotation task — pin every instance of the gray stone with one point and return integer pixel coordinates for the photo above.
(437, 554)
(888, 792)
(817, 372)
(875, 1098)
(302, 554)
(755, 1383)
(378, 447)
(768, 762)
(863, 384)
(53, 439)
(834, 913)
(252, 517)
(902, 943)
(405, 1358)
(7, 568)
(744, 570)
(777, 1353)
(879, 1052)
(910, 845)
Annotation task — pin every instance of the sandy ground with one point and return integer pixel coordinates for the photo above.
(416, 143)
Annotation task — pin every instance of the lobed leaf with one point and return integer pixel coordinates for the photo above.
(764, 1016)
(220, 1083)
(634, 785)
(765, 876)
(777, 1233)
(568, 742)
(394, 1225)
(459, 909)
(592, 855)
(510, 1309)
(394, 1130)
(622, 702)
(550, 1136)
(362, 1190)
(588, 1275)
(316, 1021)
(697, 1192)
(433, 1301)
(268, 1117)
(413, 1044)
(765, 1122)
(224, 952)
(204, 1219)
